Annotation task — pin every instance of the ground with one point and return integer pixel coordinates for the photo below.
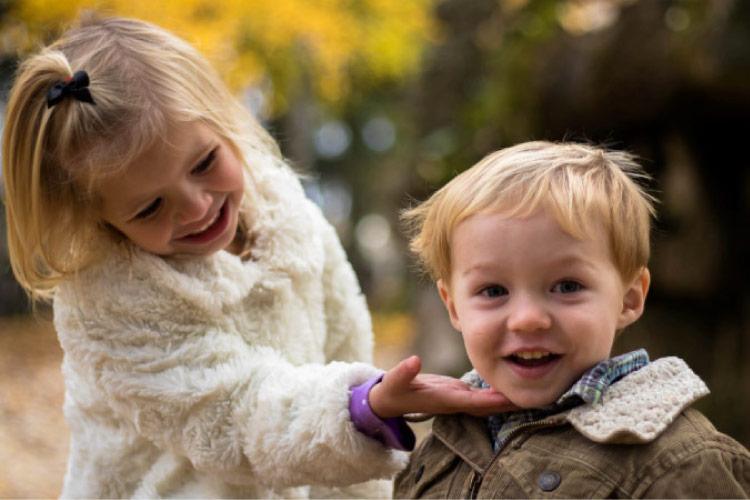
(33, 435)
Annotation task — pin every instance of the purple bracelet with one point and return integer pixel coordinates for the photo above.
(393, 432)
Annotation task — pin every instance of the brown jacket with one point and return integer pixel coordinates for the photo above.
(641, 442)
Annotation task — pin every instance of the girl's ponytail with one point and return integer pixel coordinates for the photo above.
(43, 238)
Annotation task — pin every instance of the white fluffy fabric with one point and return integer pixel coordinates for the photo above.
(219, 377)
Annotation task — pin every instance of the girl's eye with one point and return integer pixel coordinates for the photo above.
(205, 163)
(493, 291)
(567, 286)
(149, 210)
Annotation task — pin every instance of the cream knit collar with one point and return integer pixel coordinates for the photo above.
(638, 408)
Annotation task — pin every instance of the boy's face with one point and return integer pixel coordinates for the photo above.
(536, 306)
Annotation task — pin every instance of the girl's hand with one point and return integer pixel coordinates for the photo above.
(403, 390)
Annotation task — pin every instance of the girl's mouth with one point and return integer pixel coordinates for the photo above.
(207, 225)
(212, 229)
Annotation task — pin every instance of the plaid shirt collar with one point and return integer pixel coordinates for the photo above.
(588, 389)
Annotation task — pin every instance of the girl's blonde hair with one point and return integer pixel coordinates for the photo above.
(579, 184)
(142, 79)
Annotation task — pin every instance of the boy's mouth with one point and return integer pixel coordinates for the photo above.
(533, 358)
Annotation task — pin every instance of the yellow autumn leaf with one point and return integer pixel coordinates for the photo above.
(251, 41)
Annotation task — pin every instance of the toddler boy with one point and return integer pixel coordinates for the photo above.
(539, 253)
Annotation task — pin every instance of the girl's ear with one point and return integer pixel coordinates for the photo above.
(445, 294)
(634, 299)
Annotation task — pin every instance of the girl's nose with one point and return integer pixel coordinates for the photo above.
(193, 204)
(528, 315)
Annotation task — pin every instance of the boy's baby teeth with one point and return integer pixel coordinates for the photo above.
(532, 354)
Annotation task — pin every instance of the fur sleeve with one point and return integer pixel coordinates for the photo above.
(239, 411)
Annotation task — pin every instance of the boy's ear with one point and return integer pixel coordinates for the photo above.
(634, 299)
(445, 294)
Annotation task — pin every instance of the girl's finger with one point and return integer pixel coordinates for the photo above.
(403, 373)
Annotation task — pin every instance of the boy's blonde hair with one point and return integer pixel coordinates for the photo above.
(142, 79)
(579, 184)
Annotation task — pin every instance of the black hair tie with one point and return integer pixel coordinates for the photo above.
(75, 86)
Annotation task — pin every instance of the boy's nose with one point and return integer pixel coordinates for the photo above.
(528, 315)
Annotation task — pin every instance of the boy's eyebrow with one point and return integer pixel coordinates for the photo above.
(477, 268)
(569, 259)
(575, 259)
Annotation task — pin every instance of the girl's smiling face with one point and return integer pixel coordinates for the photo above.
(536, 306)
(181, 196)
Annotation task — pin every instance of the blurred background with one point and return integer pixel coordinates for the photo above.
(380, 102)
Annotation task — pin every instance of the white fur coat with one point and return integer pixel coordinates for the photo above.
(220, 377)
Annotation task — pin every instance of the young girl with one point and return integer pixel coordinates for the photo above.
(211, 324)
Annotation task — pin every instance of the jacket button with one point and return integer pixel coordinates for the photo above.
(420, 471)
(549, 480)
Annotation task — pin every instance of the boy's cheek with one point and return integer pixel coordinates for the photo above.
(489, 367)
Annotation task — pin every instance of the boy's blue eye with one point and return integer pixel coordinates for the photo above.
(493, 291)
(149, 210)
(567, 286)
(204, 163)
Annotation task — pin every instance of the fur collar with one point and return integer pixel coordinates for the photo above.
(636, 409)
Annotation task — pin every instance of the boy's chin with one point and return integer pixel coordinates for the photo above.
(530, 399)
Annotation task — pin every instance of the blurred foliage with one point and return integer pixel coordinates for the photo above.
(338, 45)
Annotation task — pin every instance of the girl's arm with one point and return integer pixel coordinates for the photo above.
(237, 411)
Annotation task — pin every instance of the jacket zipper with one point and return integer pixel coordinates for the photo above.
(476, 482)
(515, 432)
(476, 479)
